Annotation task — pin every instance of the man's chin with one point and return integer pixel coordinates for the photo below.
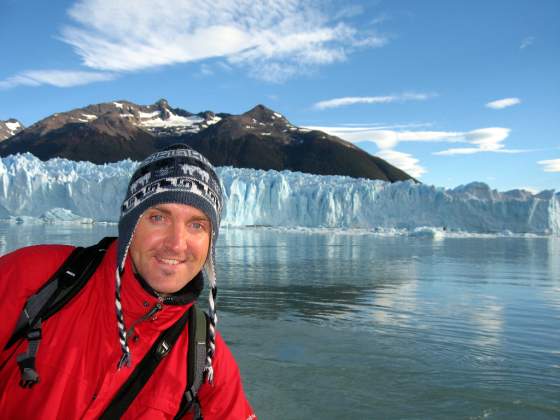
(169, 281)
(164, 291)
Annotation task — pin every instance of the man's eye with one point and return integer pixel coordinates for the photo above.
(199, 226)
(156, 218)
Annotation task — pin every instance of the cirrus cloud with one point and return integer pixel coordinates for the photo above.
(503, 103)
(527, 42)
(550, 165)
(353, 100)
(58, 78)
(274, 39)
(484, 140)
(488, 139)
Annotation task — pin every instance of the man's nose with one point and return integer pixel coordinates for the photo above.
(176, 238)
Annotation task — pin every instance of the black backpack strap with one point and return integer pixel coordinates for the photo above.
(143, 371)
(196, 361)
(69, 279)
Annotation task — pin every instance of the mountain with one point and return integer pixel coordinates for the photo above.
(9, 127)
(259, 138)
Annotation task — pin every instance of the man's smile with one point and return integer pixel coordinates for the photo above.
(169, 261)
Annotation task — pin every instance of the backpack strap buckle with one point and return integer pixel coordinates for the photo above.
(26, 361)
(29, 375)
(189, 396)
(162, 349)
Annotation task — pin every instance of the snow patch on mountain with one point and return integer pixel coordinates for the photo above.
(9, 128)
(166, 122)
(13, 126)
(172, 121)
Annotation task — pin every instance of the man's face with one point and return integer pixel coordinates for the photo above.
(170, 246)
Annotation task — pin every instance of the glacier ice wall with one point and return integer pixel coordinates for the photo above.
(296, 199)
(30, 187)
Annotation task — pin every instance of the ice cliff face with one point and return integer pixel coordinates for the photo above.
(295, 199)
(30, 187)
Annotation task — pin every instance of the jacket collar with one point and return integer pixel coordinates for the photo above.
(187, 294)
(137, 301)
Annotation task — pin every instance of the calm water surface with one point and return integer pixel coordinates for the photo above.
(337, 326)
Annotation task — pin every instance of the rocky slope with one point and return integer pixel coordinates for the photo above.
(259, 138)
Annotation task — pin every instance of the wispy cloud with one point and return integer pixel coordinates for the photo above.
(528, 41)
(205, 70)
(388, 137)
(551, 165)
(58, 78)
(490, 139)
(350, 11)
(273, 39)
(353, 100)
(503, 103)
(403, 161)
(482, 140)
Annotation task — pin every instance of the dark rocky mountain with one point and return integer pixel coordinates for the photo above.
(259, 138)
(9, 128)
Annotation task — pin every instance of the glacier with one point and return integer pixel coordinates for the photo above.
(82, 192)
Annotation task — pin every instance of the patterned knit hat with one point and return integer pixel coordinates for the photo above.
(179, 175)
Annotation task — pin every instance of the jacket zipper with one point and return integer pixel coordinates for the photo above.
(155, 309)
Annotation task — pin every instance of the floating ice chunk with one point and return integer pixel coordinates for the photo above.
(428, 232)
(59, 215)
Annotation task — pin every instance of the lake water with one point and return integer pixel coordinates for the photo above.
(339, 326)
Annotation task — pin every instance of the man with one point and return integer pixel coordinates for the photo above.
(149, 278)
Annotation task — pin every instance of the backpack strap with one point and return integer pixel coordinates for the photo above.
(196, 358)
(143, 371)
(69, 279)
(196, 361)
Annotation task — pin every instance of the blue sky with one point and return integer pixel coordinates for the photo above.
(450, 91)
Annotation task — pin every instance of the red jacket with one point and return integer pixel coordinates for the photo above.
(78, 355)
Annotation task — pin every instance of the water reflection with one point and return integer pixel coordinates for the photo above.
(553, 294)
(314, 277)
(456, 328)
(14, 236)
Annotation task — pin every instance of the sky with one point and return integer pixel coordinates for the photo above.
(450, 91)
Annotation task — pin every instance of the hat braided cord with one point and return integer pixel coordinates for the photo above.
(125, 358)
(213, 318)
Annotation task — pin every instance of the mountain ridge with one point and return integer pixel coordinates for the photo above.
(260, 138)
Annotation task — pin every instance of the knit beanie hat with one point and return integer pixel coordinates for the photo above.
(178, 175)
